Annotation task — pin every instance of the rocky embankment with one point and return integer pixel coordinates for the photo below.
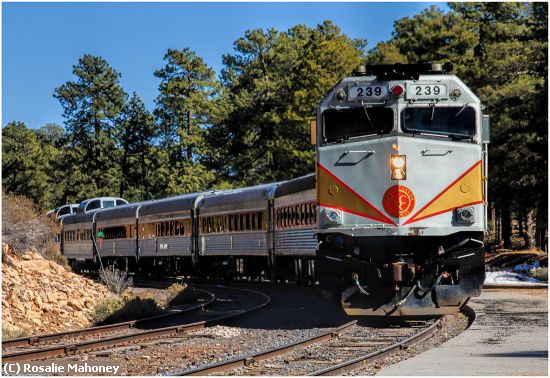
(43, 297)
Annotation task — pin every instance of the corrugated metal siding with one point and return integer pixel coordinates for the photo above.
(78, 250)
(300, 242)
(147, 247)
(174, 246)
(249, 243)
(122, 247)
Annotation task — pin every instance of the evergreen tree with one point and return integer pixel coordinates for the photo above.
(91, 103)
(137, 131)
(272, 83)
(25, 167)
(184, 108)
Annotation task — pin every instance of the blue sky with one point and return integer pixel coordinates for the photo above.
(42, 41)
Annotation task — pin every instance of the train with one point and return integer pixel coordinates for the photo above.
(391, 223)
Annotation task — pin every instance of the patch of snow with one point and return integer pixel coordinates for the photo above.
(510, 278)
(526, 267)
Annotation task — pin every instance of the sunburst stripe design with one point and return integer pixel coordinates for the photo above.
(464, 191)
(344, 197)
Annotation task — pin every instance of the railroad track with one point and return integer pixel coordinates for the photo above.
(345, 348)
(206, 299)
(221, 308)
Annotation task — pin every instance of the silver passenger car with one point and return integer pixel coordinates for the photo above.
(76, 237)
(295, 213)
(116, 230)
(166, 226)
(235, 222)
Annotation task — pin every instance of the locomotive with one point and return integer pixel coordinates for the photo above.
(391, 223)
(402, 190)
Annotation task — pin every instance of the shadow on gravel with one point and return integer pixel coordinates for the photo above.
(295, 307)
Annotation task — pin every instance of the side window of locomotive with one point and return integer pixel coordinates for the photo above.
(342, 124)
(457, 122)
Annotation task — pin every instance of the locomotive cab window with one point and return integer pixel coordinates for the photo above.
(457, 122)
(342, 124)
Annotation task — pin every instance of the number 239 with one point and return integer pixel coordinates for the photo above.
(427, 90)
(368, 91)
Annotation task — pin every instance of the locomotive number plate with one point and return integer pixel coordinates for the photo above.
(368, 92)
(426, 91)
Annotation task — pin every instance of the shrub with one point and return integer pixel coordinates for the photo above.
(126, 307)
(11, 332)
(137, 308)
(116, 280)
(24, 226)
(540, 274)
(106, 307)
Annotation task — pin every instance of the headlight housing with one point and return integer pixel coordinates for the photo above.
(465, 215)
(398, 166)
(333, 216)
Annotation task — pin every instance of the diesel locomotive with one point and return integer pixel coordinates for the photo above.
(402, 190)
(391, 223)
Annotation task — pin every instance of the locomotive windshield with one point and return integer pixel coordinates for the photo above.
(342, 124)
(455, 122)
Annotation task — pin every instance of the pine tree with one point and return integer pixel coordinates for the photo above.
(136, 133)
(184, 109)
(91, 103)
(272, 83)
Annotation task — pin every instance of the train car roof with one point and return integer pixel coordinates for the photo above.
(171, 204)
(299, 184)
(242, 195)
(121, 211)
(78, 218)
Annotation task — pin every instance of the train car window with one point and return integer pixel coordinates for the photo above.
(108, 203)
(457, 122)
(342, 124)
(64, 211)
(95, 204)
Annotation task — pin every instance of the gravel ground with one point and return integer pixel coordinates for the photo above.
(356, 342)
(294, 313)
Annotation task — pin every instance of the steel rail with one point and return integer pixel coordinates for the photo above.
(362, 361)
(239, 362)
(92, 345)
(93, 331)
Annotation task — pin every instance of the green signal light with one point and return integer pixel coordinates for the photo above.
(100, 234)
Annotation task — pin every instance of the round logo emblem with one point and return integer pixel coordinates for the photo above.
(398, 201)
(332, 190)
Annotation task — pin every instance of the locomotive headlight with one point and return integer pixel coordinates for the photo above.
(333, 216)
(465, 215)
(398, 165)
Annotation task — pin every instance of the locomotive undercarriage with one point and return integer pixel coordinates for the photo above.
(404, 276)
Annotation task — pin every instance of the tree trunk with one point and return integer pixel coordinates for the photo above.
(506, 227)
(497, 227)
(189, 146)
(541, 229)
(529, 235)
(520, 223)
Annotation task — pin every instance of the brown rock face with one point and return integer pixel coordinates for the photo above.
(41, 296)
